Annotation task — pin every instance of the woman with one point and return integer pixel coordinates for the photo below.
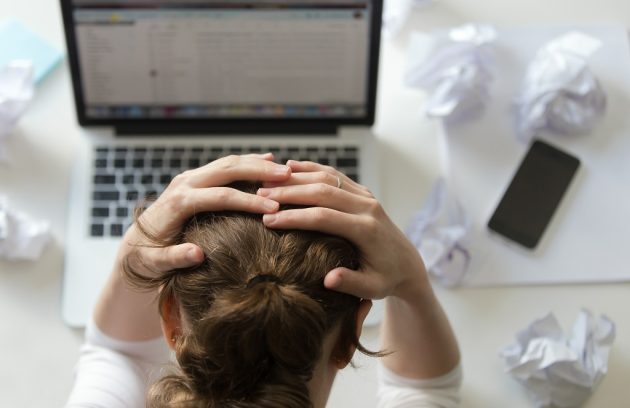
(217, 338)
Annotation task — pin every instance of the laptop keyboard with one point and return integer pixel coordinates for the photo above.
(127, 176)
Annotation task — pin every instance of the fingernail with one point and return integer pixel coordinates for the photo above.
(269, 219)
(270, 205)
(281, 170)
(263, 192)
(193, 255)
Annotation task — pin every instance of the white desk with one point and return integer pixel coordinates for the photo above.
(38, 351)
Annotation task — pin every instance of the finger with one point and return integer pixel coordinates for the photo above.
(226, 199)
(169, 258)
(234, 168)
(357, 283)
(167, 215)
(308, 167)
(316, 177)
(349, 226)
(263, 156)
(319, 195)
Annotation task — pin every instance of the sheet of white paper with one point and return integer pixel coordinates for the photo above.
(586, 240)
(16, 90)
(21, 237)
(559, 370)
(439, 232)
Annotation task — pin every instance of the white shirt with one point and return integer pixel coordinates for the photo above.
(112, 373)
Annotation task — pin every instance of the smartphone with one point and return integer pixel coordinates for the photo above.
(534, 194)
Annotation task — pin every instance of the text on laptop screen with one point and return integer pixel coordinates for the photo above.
(223, 59)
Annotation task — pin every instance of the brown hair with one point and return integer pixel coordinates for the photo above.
(257, 313)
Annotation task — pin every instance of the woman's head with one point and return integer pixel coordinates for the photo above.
(250, 323)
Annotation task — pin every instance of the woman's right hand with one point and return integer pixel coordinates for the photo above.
(194, 191)
(391, 265)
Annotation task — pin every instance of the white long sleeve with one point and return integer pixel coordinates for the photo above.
(115, 374)
(395, 391)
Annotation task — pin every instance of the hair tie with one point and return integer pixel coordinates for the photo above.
(262, 278)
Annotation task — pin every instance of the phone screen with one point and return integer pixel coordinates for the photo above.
(534, 194)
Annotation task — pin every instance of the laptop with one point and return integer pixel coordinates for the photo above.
(163, 86)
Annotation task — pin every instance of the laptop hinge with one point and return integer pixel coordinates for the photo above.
(247, 128)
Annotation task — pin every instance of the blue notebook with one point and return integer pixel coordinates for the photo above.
(18, 42)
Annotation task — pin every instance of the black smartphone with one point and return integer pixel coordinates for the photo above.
(534, 193)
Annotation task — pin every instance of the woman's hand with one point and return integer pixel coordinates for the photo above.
(195, 191)
(126, 314)
(391, 264)
(414, 326)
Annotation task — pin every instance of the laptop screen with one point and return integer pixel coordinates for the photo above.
(222, 59)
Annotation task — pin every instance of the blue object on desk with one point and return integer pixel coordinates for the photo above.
(18, 42)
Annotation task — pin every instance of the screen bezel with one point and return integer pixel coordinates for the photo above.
(244, 125)
(502, 226)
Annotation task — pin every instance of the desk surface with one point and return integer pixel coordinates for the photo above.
(39, 351)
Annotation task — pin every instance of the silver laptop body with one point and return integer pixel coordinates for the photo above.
(162, 86)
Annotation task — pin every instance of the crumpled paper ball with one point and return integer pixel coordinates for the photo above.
(559, 370)
(560, 93)
(456, 73)
(440, 231)
(21, 237)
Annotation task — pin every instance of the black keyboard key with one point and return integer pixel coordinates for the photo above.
(158, 151)
(146, 179)
(132, 195)
(116, 230)
(323, 160)
(97, 230)
(178, 150)
(293, 149)
(353, 177)
(102, 149)
(236, 150)
(350, 149)
(157, 163)
(121, 150)
(120, 163)
(128, 179)
(217, 150)
(312, 149)
(197, 149)
(106, 195)
(255, 149)
(138, 163)
(140, 150)
(104, 179)
(175, 163)
(100, 163)
(346, 162)
(151, 195)
(165, 179)
(122, 212)
(193, 163)
(331, 149)
(100, 212)
(274, 149)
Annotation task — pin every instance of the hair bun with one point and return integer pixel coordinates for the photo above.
(242, 342)
(262, 278)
